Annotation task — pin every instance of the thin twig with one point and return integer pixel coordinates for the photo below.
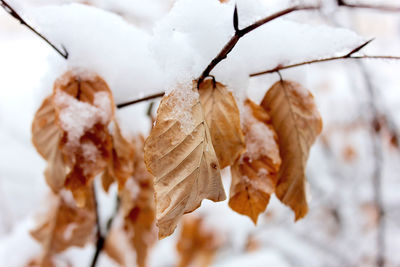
(346, 56)
(240, 33)
(150, 97)
(15, 15)
(342, 3)
(377, 154)
(101, 238)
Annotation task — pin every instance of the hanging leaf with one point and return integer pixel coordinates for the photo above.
(196, 245)
(46, 136)
(297, 122)
(84, 107)
(254, 175)
(179, 153)
(139, 208)
(120, 167)
(65, 226)
(223, 119)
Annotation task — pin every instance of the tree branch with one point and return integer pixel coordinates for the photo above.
(150, 97)
(346, 56)
(240, 33)
(15, 15)
(342, 3)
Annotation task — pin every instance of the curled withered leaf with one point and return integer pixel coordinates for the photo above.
(46, 136)
(196, 245)
(138, 207)
(254, 175)
(84, 107)
(137, 210)
(120, 167)
(65, 226)
(223, 119)
(179, 153)
(298, 123)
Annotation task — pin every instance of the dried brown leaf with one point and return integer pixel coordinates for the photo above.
(84, 108)
(113, 246)
(254, 175)
(46, 136)
(298, 123)
(179, 153)
(120, 168)
(196, 244)
(65, 226)
(139, 209)
(223, 119)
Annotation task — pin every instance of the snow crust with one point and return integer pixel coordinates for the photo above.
(77, 117)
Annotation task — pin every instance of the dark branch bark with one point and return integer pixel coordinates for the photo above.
(349, 55)
(15, 15)
(150, 97)
(240, 33)
(377, 150)
(279, 68)
(367, 6)
(101, 238)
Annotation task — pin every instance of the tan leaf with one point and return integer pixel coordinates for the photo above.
(107, 179)
(65, 226)
(297, 122)
(254, 175)
(139, 208)
(113, 246)
(196, 244)
(84, 108)
(223, 119)
(120, 168)
(180, 155)
(46, 136)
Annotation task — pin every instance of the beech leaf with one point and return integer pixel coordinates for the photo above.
(254, 175)
(84, 108)
(65, 225)
(179, 153)
(223, 119)
(120, 167)
(46, 136)
(298, 123)
(196, 245)
(139, 209)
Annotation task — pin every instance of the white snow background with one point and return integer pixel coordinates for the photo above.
(144, 47)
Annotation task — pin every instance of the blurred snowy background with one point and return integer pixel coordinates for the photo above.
(143, 47)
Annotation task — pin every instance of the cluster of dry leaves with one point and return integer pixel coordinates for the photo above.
(175, 168)
(76, 133)
(267, 151)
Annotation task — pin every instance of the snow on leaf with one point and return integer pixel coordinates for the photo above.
(254, 175)
(65, 226)
(298, 123)
(183, 161)
(223, 119)
(84, 107)
(46, 137)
